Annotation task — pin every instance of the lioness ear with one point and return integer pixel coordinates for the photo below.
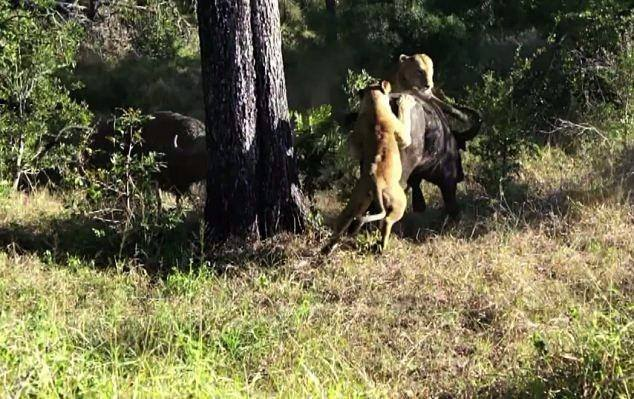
(387, 88)
(403, 58)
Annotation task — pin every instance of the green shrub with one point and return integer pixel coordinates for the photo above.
(582, 70)
(321, 144)
(356, 81)
(159, 30)
(581, 78)
(504, 136)
(321, 150)
(40, 124)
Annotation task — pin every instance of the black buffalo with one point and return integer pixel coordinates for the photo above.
(434, 154)
(178, 138)
(181, 140)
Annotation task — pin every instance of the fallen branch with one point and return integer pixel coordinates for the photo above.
(562, 125)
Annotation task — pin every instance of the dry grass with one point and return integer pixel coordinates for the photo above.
(528, 295)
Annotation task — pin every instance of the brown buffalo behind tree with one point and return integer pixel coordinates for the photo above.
(252, 182)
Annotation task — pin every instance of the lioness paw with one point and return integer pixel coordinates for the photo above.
(407, 102)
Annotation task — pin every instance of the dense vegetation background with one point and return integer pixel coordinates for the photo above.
(529, 294)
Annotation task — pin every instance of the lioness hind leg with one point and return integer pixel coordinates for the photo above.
(398, 203)
(359, 202)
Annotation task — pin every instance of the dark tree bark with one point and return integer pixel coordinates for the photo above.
(252, 184)
(280, 200)
(230, 117)
(331, 8)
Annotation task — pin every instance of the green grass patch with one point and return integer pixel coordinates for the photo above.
(528, 295)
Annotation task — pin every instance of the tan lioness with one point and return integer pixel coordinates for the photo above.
(376, 138)
(415, 75)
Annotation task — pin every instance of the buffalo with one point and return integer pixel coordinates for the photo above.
(181, 140)
(434, 154)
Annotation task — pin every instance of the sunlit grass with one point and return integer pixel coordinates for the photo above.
(525, 296)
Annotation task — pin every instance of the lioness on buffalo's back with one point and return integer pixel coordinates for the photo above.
(415, 75)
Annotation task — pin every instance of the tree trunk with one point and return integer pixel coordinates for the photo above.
(281, 205)
(332, 32)
(252, 180)
(230, 117)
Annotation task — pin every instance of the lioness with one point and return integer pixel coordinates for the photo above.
(376, 138)
(415, 75)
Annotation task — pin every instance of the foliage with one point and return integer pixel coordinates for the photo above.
(355, 82)
(39, 121)
(293, 25)
(578, 78)
(580, 70)
(159, 85)
(123, 193)
(321, 143)
(151, 43)
(322, 154)
(159, 30)
(505, 134)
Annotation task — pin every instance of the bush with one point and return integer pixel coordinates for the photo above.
(160, 30)
(505, 133)
(321, 144)
(39, 122)
(580, 78)
(321, 148)
(356, 81)
(581, 71)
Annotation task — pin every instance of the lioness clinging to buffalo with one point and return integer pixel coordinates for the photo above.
(375, 140)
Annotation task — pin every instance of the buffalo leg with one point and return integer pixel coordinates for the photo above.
(448, 191)
(418, 200)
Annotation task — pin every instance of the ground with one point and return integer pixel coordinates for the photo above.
(527, 295)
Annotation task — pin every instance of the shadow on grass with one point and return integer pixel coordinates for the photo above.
(181, 246)
(63, 238)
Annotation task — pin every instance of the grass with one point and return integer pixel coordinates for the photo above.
(528, 295)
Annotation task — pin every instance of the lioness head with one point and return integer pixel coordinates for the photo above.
(416, 71)
(375, 94)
